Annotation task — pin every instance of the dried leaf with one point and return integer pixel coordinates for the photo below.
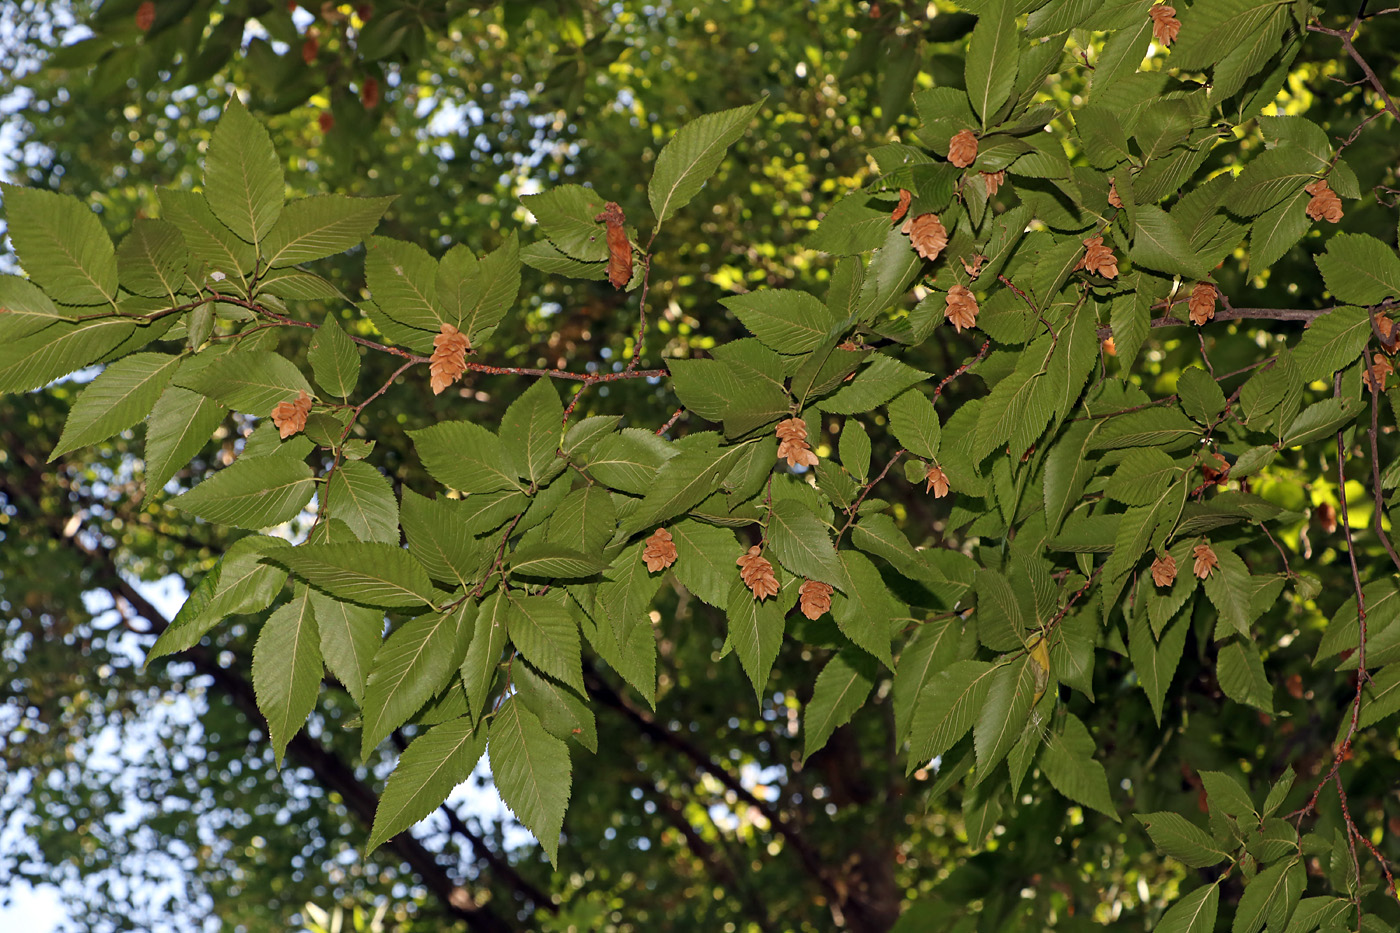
(290, 417)
(660, 552)
(902, 208)
(1379, 369)
(1165, 25)
(926, 234)
(962, 148)
(619, 249)
(449, 359)
(973, 268)
(1202, 303)
(1385, 327)
(1164, 570)
(1206, 561)
(961, 307)
(936, 481)
(757, 573)
(1099, 259)
(1325, 205)
(815, 598)
(1113, 197)
(992, 181)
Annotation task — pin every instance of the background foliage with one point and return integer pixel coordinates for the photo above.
(1025, 628)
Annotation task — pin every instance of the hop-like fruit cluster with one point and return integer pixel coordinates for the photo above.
(936, 481)
(927, 235)
(1099, 259)
(814, 598)
(757, 573)
(1165, 25)
(962, 148)
(1324, 205)
(961, 308)
(1164, 570)
(449, 359)
(660, 552)
(290, 417)
(792, 443)
(1206, 561)
(1202, 303)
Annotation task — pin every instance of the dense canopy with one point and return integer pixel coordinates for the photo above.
(701, 465)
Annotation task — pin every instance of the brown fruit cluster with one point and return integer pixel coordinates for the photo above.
(146, 15)
(1202, 303)
(961, 307)
(1386, 329)
(1164, 570)
(1099, 259)
(1165, 25)
(290, 417)
(660, 552)
(619, 250)
(902, 208)
(973, 268)
(757, 573)
(1113, 198)
(993, 181)
(962, 148)
(936, 481)
(449, 359)
(815, 598)
(1376, 374)
(927, 235)
(1206, 561)
(1325, 205)
(792, 443)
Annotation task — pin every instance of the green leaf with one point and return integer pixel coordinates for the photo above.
(531, 429)
(441, 538)
(213, 247)
(413, 664)
(334, 358)
(253, 494)
(545, 633)
(27, 309)
(1068, 764)
(891, 271)
(1270, 897)
(369, 573)
(842, 688)
(1003, 714)
(691, 157)
(1381, 696)
(484, 653)
(1269, 178)
(1105, 143)
(990, 71)
(1181, 840)
(946, 708)
(1333, 342)
(873, 386)
(242, 176)
(1200, 395)
(854, 224)
(1160, 244)
(1275, 231)
(855, 449)
(562, 711)
(475, 302)
(933, 648)
(1155, 660)
(1211, 31)
(802, 543)
(531, 770)
(554, 560)
(465, 457)
(180, 424)
(705, 558)
(362, 498)
(1229, 590)
(1225, 794)
(152, 259)
(239, 583)
(1194, 913)
(61, 244)
(121, 396)
(756, 629)
(350, 635)
(428, 770)
(586, 519)
(1240, 671)
(57, 350)
(320, 226)
(251, 381)
(682, 483)
(784, 319)
(544, 257)
(914, 423)
(287, 670)
(402, 278)
(565, 213)
(864, 609)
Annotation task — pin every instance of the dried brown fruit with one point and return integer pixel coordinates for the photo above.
(757, 573)
(1109, 347)
(1386, 328)
(1206, 561)
(310, 48)
(1325, 205)
(1202, 303)
(290, 417)
(1165, 25)
(936, 481)
(973, 268)
(146, 15)
(1113, 197)
(369, 93)
(902, 208)
(1098, 259)
(962, 148)
(326, 121)
(1379, 369)
(1326, 517)
(1164, 570)
(449, 359)
(814, 598)
(619, 250)
(660, 552)
(961, 309)
(992, 181)
(927, 235)
(792, 443)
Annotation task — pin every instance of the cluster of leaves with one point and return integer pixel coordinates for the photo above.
(1075, 493)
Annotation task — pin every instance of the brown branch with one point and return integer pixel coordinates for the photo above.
(1345, 36)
